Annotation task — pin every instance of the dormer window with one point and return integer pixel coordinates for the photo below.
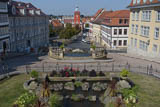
(31, 12)
(38, 12)
(22, 11)
(27, 5)
(19, 4)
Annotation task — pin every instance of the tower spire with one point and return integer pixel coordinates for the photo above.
(77, 8)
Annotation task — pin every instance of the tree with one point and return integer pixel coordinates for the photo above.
(68, 26)
(51, 31)
(87, 25)
(69, 31)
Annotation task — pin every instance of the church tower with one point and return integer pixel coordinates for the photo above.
(77, 16)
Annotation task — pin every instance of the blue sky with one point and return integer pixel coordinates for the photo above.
(87, 7)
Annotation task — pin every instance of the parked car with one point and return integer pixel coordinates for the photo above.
(83, 40)
(84, 34)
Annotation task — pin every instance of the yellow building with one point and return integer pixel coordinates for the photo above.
(144, 30)
(96, 32)
(95, 26)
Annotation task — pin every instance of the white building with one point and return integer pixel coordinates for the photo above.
(28, 25)
(4, 33)
(114, 29)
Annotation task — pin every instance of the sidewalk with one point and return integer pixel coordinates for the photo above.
(155, 60)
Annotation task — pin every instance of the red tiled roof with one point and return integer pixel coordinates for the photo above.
(85, 19)
(112, 18)
(119, 14)
(98, 12)
(101, 17)
(56, 23)
(142, 3)
(69, 21)
(26, 6)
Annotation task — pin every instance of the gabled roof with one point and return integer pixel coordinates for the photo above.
(112, 18)
(98, 13)
(118, 14)
(142, 3)
(56, 23)
(101, 17)
(26, 6)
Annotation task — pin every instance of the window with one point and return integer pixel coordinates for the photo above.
(136, 29)
(137, 16)
(115, 43)
(131, 41)
(134, 1)
(120, 21)
(115, 31)
(133, 16)
(132, 31)
(138, 1)
(158, 15)
(142, 30)
(125, 43)
(155, 48)
(120, 31)
(125, 21)
(145, 31)
(125, 31)
(143, 45)
(120, 42)
(146, 15)
(144, 1)
(135, 42)
(156, 33)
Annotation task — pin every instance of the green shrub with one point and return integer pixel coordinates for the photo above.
(130, 96)
(54, 100)
(75, 97)
(78, 84)
(93, 47)
(62, 46)
(26, 100)
(124, 73)
(34, 74)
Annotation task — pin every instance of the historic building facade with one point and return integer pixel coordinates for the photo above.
(28, 27)
(74, 20)
(95, 26)
(144, 35)
(4, 32)
(114, 29)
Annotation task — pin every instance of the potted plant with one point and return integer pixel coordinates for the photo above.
(62, 47)
(124, 73)
(93, 47)
(34, 75)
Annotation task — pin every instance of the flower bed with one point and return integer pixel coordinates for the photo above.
(118, 91)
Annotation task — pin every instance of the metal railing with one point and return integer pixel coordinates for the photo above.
(107, 67)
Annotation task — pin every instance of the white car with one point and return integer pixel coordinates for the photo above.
(83, 40)
(84, 34)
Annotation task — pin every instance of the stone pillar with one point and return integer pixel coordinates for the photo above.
(93, 54)
(50, 52)
(61, 56)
